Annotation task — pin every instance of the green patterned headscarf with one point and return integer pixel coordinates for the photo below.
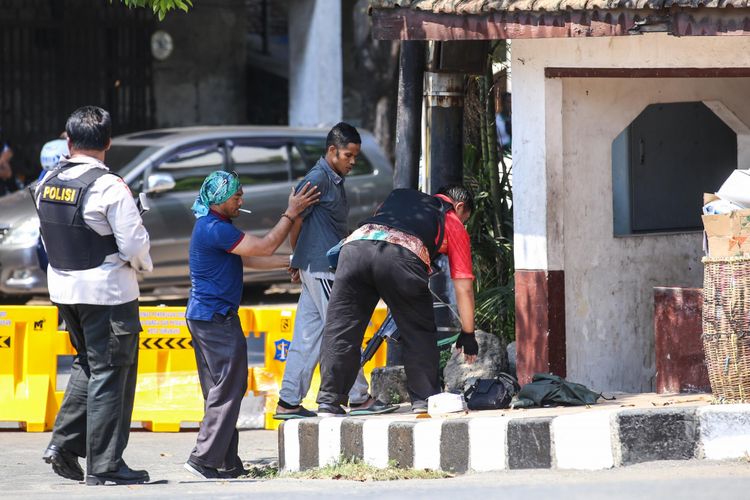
(218, 187)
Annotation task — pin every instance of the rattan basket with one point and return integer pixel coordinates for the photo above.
(726, 327)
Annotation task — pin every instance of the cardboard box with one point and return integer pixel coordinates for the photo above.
(726, 235)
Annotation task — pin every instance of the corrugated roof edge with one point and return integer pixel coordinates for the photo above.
(470, 7)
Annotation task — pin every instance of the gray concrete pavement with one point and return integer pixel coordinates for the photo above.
(24, 475)
(162, 454)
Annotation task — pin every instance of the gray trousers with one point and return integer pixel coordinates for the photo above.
(221, 356)
(94, 419)
(304, 352)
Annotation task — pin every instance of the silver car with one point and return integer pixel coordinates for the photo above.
(169, 165)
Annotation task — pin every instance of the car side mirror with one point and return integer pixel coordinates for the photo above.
(159, 183)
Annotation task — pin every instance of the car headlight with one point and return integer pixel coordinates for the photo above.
(24, 234)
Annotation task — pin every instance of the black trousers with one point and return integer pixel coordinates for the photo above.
(94, 419)
(367, 271)
(221, 354)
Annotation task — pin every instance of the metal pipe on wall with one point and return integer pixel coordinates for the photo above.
(444, 100)
(409, 113)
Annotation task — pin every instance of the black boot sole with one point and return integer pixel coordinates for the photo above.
(62, 469)
(103, 480)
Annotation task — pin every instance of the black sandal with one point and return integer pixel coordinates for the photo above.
(376, 408)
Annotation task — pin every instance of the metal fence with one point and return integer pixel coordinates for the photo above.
(57, 55)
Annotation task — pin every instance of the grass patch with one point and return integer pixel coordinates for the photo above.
(262, 472)
(356, 470)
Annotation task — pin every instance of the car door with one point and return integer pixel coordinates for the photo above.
(262, 165)
(170, 220)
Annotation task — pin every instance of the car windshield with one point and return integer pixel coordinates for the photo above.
(122, 159)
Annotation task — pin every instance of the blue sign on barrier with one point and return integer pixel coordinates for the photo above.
(282, 349)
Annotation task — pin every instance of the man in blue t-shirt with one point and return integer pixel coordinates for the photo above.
(316, 230)
(218, 251)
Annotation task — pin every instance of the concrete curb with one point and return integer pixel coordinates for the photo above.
(590, 440)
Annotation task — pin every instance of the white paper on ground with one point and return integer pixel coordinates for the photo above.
(445, 402)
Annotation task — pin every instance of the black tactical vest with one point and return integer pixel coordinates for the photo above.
(415, 213)
(71, 244)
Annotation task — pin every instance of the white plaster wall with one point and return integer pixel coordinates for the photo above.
(537, 122)
(315, 72)
(563, 190)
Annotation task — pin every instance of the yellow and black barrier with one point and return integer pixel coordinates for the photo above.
(278, 325)
(167, 392)
(28, 366)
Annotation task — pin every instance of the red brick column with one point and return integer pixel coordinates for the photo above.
(540, 323)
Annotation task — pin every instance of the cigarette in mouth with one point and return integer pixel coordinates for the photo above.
(243, 210)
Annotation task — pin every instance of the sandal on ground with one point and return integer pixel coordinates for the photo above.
(292, 413)
(371, 407)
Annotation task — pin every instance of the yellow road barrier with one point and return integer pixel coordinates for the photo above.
(278, 325)
(27, 366)
(168, 391)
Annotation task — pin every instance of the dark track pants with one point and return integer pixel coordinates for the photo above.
(94, 419)
(367, 271)
(221, 355)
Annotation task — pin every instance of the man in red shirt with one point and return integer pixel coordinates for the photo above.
(459, 250)
(389, 257)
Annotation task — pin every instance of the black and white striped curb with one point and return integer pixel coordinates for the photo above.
(595, 439)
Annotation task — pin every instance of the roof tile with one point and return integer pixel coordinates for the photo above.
(467, 7)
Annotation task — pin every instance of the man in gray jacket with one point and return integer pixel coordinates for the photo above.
(316, 230)
(96, 243)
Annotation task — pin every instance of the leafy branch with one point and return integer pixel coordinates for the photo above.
(487, 170)
(159, 7)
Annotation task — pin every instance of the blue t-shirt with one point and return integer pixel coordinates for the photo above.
(324, 224)
(215, 273)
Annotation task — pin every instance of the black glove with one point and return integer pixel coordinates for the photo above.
(468, 342)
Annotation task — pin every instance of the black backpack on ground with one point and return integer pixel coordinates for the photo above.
(491, 393)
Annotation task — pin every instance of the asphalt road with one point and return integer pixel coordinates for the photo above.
(25, 475)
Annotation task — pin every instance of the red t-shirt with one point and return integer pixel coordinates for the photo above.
(456, 245)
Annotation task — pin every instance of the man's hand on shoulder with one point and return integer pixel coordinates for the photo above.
(306, 196)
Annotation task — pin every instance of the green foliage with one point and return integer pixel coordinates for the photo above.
(357, 470)
(487, 171)
(394, 397)
(159, 7)
(262, 471)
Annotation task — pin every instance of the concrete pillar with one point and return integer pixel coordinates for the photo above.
(538, 222)
(315, 74)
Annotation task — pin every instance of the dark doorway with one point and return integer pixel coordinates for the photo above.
(57, 55)
(664, 161)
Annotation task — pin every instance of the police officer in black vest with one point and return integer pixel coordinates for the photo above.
(96, 242)
(389, 256)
